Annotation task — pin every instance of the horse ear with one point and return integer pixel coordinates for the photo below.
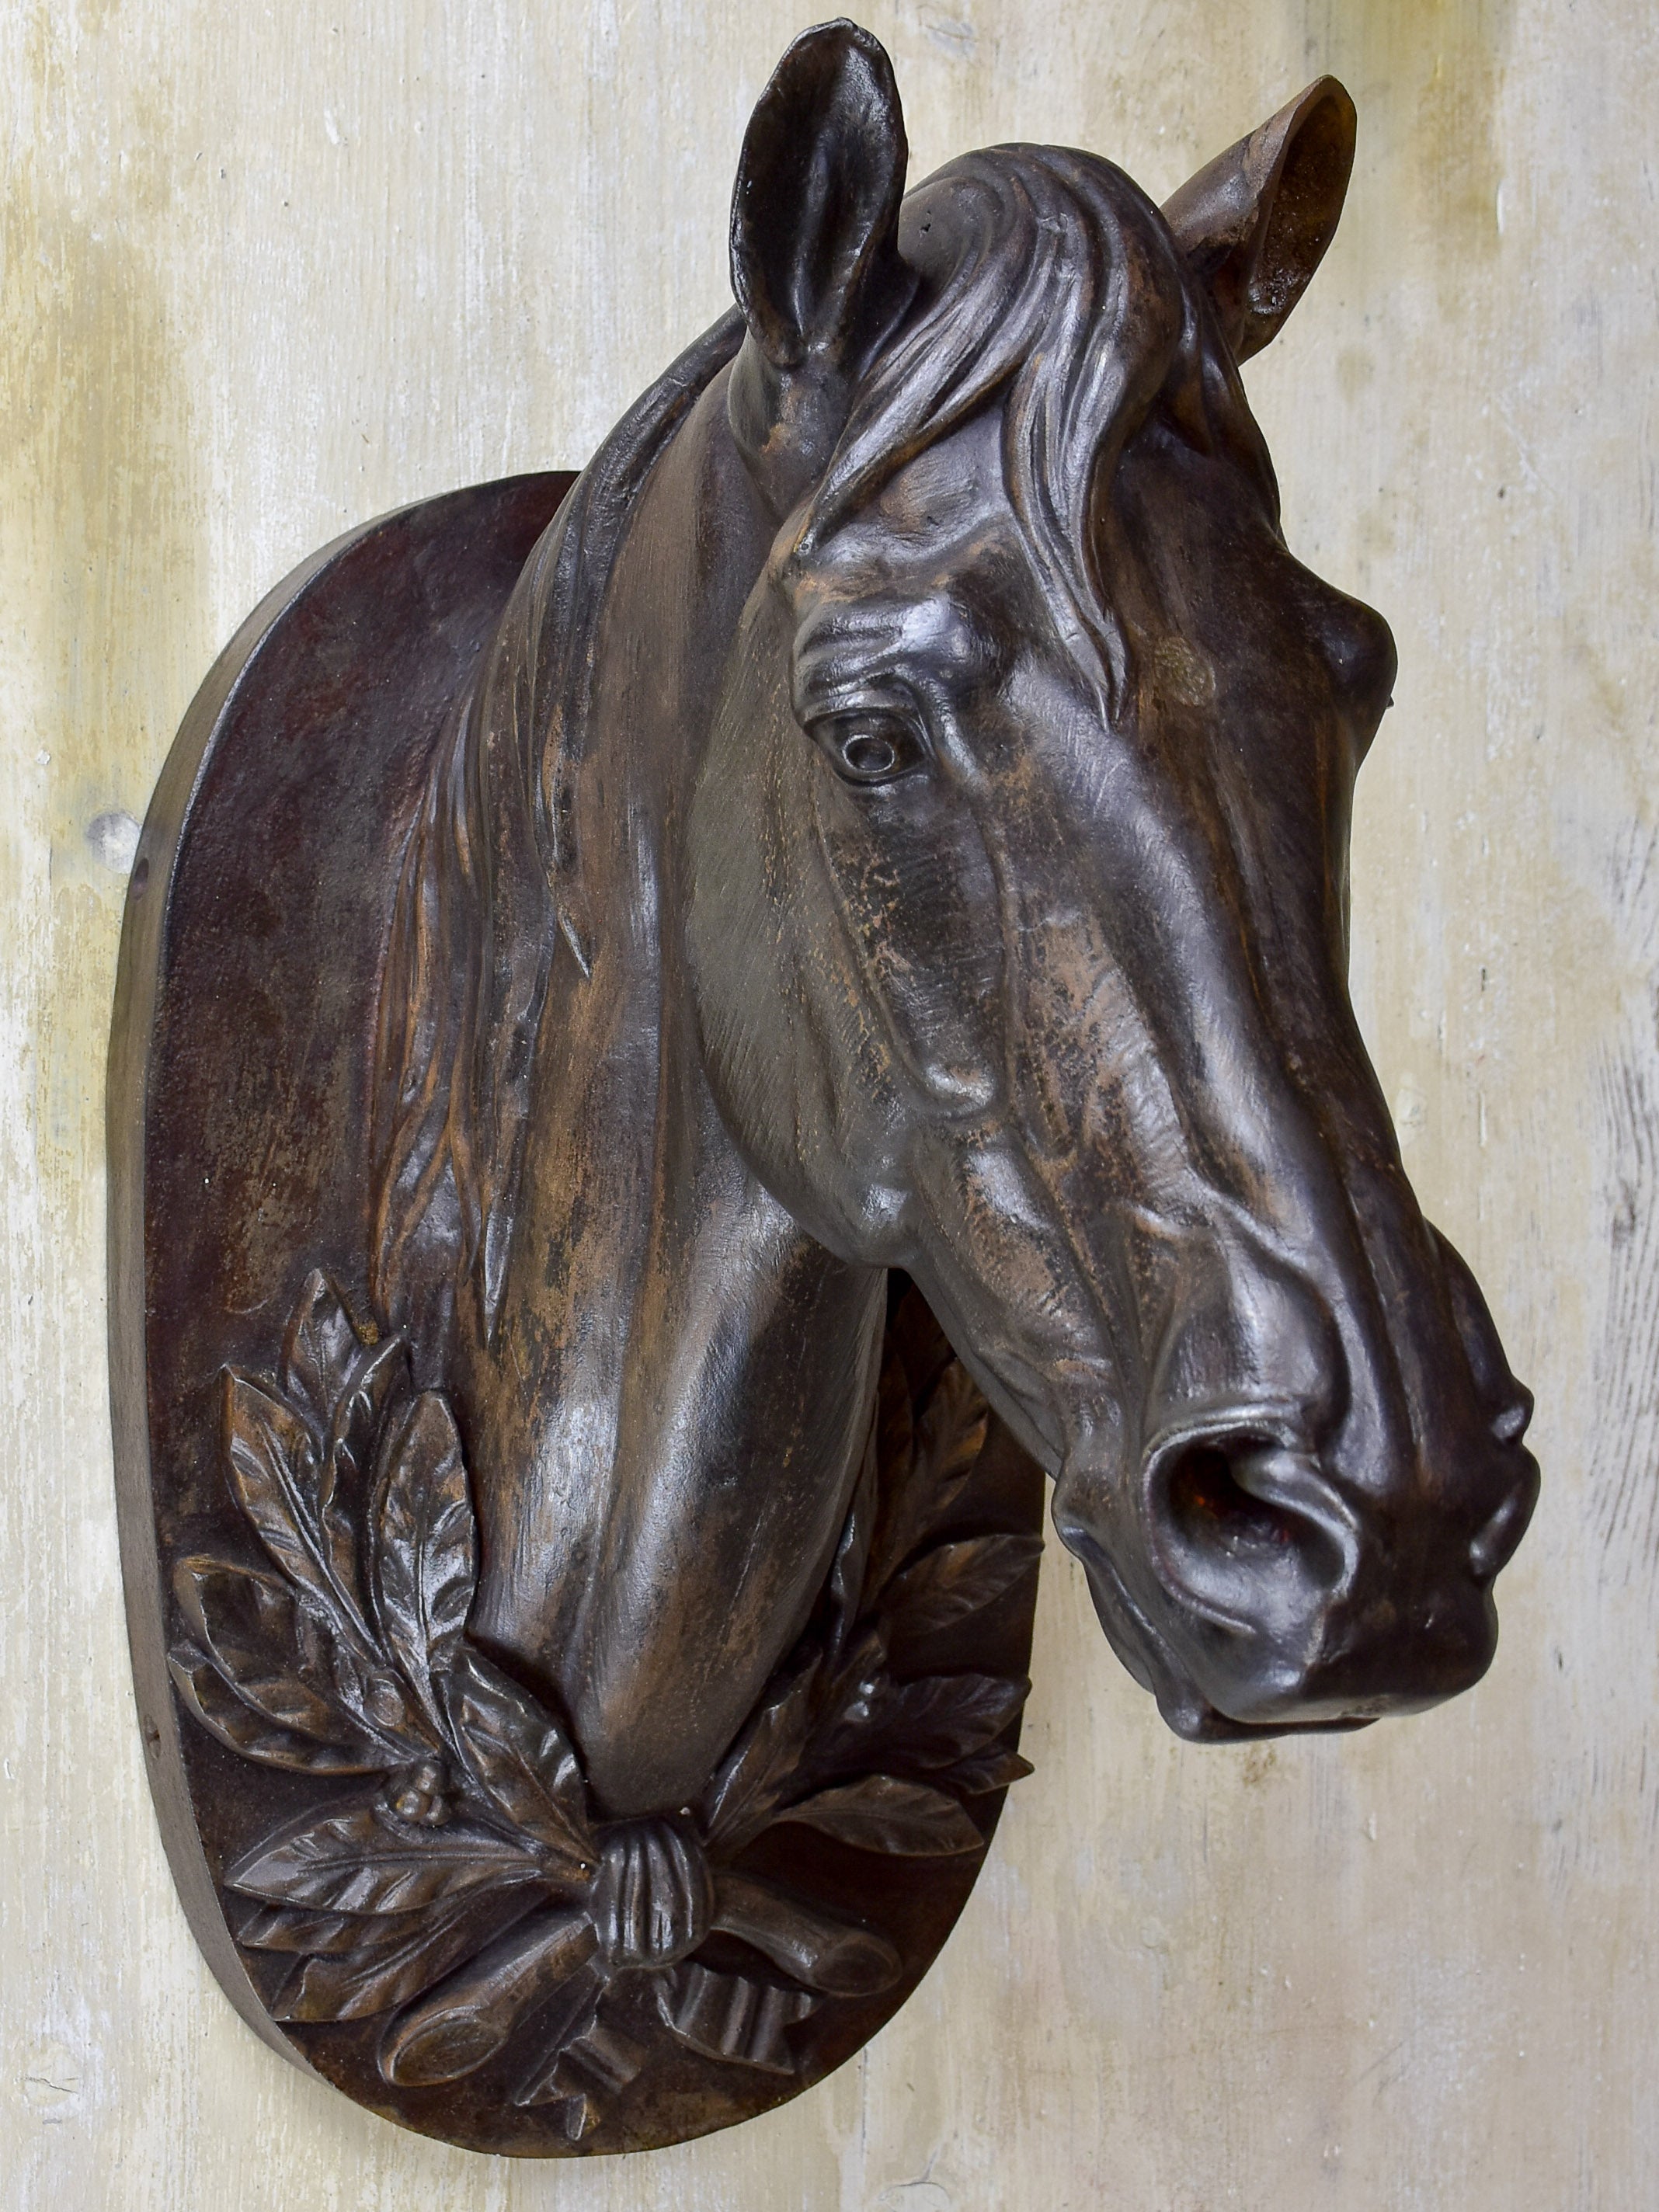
(814, 211)
(1255, 221)
(815, 257)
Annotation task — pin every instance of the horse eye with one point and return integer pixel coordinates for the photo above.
(867, 748)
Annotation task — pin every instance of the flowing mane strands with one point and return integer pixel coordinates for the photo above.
(1049, 285)
(1050, 282)
(487, 886)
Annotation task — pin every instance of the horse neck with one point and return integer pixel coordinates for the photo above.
(666, 1415)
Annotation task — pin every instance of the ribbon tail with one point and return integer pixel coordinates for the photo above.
(837, 1958)
(728, 2016)
(582, 2057)
(466, 2020)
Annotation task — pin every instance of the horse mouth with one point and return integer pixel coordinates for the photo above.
(1185, 1709)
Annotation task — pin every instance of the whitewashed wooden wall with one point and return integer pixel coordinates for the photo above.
(270, 269)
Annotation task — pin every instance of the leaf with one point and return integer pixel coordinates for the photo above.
(948, 1436)
(359, 1860)
(248, 1621)
(521, 1755)
(274, 1471)
(950, 1432)
(994, 1770)
(468, 2018)
(208, 1699)
(354, 1434)
(747, 1785)
(954, 1580)
(380, 1976)
(247, 1605)
(425, 1546)
(281, 1927)
(367, 1937)
(342, 1378)
(934, 1720)
(320, 1349)
(881, 1813)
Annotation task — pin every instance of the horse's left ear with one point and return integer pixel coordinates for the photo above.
(1255, 221)
(815, 257)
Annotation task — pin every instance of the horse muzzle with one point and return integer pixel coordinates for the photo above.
(1253, 1590)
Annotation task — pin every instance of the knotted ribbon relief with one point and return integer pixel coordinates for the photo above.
(473, 1894)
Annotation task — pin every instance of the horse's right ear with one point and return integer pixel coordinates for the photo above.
(815, 257)
(1255, 221)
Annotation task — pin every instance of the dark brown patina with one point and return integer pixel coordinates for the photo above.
(615, 968)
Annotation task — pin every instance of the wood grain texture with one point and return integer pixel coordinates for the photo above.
(266, 274)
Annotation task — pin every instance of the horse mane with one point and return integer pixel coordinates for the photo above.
(1050, 283)
(489, 889)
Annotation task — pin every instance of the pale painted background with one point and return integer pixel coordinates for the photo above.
(270, 270)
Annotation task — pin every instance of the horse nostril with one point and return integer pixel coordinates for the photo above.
(1209, 1504)
(1243, 1513)
(1246, 1534)
(1494, 1546)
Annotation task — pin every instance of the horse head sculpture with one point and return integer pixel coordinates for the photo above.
(1019, 888)
(849, 899)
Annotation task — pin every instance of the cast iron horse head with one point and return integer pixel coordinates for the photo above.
(903, 825)
(875, 842)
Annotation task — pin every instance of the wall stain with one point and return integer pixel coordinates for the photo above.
(1427, 76)
(97, 485)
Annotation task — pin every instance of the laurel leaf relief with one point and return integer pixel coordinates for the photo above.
(474, 1899)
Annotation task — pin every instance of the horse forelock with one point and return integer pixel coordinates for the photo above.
(1051, 286)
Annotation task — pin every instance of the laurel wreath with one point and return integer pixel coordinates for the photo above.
(470, 1894)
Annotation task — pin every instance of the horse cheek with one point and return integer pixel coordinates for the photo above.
(912, 892)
